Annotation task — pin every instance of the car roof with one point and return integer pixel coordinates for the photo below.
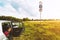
(1, 21)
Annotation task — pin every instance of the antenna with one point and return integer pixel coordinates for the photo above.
(40, 8)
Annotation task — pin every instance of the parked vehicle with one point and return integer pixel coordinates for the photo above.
(16, 29)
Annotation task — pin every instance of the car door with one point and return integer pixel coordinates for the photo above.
(2, 36)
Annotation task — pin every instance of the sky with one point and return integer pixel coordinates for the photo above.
(51, 9)
(30, 9)
(20, 8)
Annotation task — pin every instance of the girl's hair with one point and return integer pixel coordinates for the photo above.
(5, 27)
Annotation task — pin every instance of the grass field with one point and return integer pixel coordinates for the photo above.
(40, 30)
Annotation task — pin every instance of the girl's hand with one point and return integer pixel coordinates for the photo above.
(9, 29)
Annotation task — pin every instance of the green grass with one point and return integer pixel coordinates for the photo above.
(44, 30)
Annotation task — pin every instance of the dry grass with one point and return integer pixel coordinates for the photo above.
(44, 30)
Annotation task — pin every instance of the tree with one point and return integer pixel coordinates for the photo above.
(26, 19)
(10, 18)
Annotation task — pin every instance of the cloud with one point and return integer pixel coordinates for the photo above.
(8, 10)
(15, 5)
(22, 8)
(31, 7)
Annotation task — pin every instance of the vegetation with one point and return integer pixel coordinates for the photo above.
(37, 30)
(26, 19)
(10, 18)
(40, 30)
